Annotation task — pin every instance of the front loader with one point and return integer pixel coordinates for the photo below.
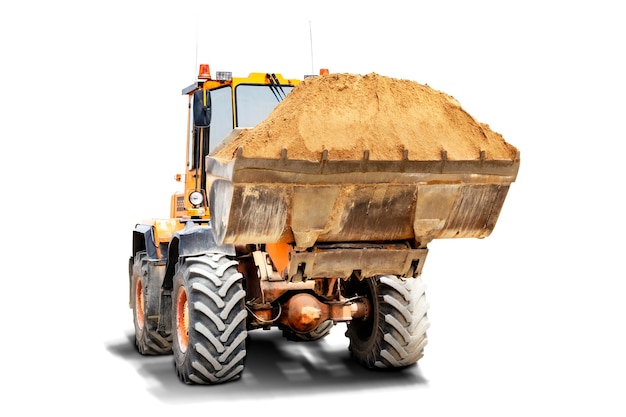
(299, 244)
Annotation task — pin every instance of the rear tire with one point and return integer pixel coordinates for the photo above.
(209, 320)
(145, 299)
(318, 333)
(394, 334)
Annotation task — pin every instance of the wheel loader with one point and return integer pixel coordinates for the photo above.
(256, 242)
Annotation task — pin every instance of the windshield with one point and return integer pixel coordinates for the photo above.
(255, 102)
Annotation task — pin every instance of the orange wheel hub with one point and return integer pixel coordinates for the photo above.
(139, 304)
(182, 319)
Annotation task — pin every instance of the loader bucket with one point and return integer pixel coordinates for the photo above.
(264, 200)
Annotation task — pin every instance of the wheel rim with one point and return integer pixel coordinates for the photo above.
(182, 320)
(139, 304)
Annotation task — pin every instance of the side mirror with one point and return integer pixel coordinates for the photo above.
(202, 108)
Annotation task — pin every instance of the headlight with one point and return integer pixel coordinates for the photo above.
(196, 198)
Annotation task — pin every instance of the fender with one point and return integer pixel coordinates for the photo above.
(143, 239)
(193, 240)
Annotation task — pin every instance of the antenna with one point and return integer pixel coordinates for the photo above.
(311, 40)
(195, 68)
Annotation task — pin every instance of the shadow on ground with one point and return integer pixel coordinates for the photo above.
(274, 367)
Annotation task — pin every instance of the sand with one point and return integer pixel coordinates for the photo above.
(348, 114)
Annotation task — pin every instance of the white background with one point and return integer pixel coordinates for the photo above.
(529, 321)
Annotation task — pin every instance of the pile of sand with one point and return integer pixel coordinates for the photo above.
(348, 114)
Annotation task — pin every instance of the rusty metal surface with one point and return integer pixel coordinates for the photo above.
(255, 200)
(369, 261)
(303, 312)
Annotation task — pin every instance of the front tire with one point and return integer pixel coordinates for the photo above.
(209, 320)
(394, 334)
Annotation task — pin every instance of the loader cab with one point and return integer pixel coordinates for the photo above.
(217, 105)
(241, 106)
